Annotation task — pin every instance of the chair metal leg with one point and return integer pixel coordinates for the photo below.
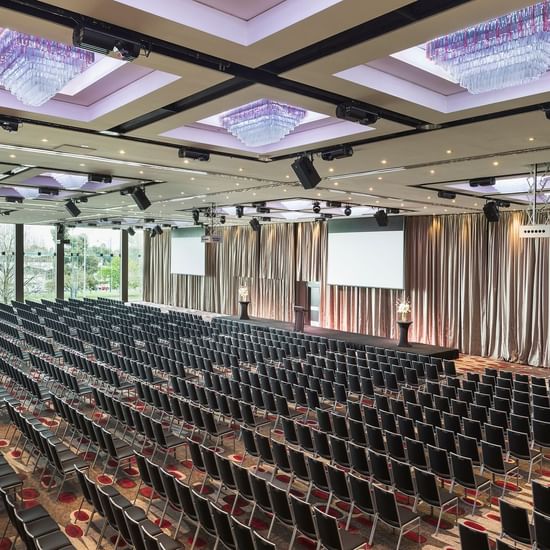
(375, 521)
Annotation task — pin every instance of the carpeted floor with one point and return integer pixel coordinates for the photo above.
(74, 522)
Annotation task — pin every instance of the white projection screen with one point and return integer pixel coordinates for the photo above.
(188, 252)
(360, 253)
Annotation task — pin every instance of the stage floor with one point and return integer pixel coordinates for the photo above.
(361, 339)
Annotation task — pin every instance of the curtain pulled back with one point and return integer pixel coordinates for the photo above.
(472, 284)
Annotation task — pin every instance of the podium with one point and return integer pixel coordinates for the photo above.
(299, 312)
(244, 311)
(404, 334)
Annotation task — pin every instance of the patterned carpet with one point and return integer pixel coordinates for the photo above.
(74, 522)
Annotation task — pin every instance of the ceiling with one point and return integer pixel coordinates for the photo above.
(430, 135)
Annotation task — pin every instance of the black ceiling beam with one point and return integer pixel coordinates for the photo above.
(156, 45)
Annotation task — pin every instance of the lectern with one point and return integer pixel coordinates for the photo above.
(299, 318)
(404, 334)
(244, 311)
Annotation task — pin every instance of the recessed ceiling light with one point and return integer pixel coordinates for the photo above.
(192, 178)
(377, 202)
(185, 161)
(429, 197)
(287, 176)
(495, 163)
(444, 210)
(475, 203)
(453, 200)
(425, 207)
(336, 183)
(402, 204)
(82, 164)
(208, 188)
(203, 200)
(284, 190)
(331, 169)
(182, 193)
(432, 171)
(254, 194)
(240, 169)
(85, 146)
(237, 184)
(122, 152)
(380, 177)
(318, 194)
(384, 161)
(449, 151)
(226, 196)
(141, 171)
(371, 188)
(531, 139)
(160, 196)
(44, 140)
(12, 156)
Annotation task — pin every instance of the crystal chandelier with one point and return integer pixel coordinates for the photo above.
(262, 122)
(507, 51)
(34, 69)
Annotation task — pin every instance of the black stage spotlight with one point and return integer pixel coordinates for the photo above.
(381, 218)
(103, 42)
(193, 154)
(347, 211)
(157, 230)
(316, 207)
(482, 182)
(140, 198)
(131, 231)
(9, 125)
(334, 204)
(306, 173)
(491, 211)
(100, 178)
(446, 194)
(239, 211)
(18, 200)
(196, 214)
(222, 219)
(341, 152)
(393, 210)
(354, 113)
(503, 204)
(72, 208)
(255, 224)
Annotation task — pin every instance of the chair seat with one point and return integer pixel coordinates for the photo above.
(405, 516)
(173, 440)
(533, 453)
(150, 528)
(508, 467)
(33, 514)
(54, 541)
(166, 543)
(42, 527)
(351, 541)
(11, 480)
(6, 470)
(121, 501)
(70, 464)
(124, 452)
(135, 513)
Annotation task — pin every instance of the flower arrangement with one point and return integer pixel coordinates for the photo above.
(243, 293)
(403, 308)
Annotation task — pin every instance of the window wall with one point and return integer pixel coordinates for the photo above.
(92, 263)
(39, 262)
(7, 263)
(135, 266)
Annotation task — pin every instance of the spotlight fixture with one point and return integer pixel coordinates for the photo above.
(305, 172)
(81, 199)
(157, 230)
(255, 224)
(72, 208)
(131, 231)
(18, 200)
(48, 191)
(140, 198)
(347, 211)
(193, 154)
(316, 207)
(446, 195)
(239, 211)
(334, 204)
(355, 113)
(491, 211)
(393, 210)
(100, 178)
(326, 216)
(503, 204)
(263, 209)
(9, 125)
(196, 214)
(222, 219)
(265, 218)
(103, 42)
(381, 218)
(482, 182)
(341, 152)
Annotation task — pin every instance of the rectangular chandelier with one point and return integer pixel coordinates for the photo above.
(506, 51)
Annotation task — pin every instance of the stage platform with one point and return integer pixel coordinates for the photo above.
(360, 339)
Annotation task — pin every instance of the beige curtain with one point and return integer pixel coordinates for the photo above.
(472, 285)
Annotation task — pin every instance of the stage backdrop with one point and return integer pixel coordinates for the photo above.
(473, 285)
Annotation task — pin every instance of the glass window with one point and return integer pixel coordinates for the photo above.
(39, 262)
(135, 266)
(7, 263)
(92, 263)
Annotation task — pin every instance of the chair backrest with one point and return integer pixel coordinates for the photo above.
(222, 525)
(386, 505)
(360, 493)
(542, 531)
(515, 522)
(242, 535)
(203, 512)
(327, 530)
(402, 477)
(302, 516)
(262, 544)
(259, 490)
(472, 538)
(541, 498)
(185, 499)
(426, 483)
(279, 503)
